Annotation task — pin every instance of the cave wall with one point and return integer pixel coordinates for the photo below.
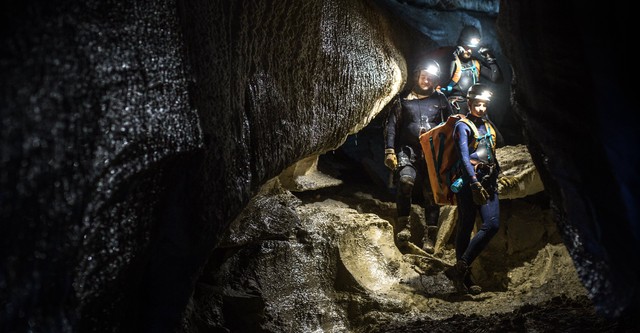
(280, 82)
(134, 132)
(95, 112)
(566, 89)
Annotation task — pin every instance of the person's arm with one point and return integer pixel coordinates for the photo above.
(491, 72)
(390, 158)
(461, 135)
(391, 126)
(489, 67)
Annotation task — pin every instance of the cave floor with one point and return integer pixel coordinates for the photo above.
(539, 307)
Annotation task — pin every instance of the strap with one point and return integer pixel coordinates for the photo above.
(477, 64)
(474, 129)
(453, 171)
(435, 159)
(490, 132)
(472, 126)
(456, 75)
(475, 70)
(490, 136)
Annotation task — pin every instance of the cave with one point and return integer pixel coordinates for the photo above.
(214, 166)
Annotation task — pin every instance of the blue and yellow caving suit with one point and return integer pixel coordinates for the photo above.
(477, 164)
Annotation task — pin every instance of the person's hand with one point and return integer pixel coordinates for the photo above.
(458, 51)
(480, 195)
(487, 54)
(390, 159)
(508, 181)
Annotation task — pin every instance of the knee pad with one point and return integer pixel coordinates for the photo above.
(406, 185)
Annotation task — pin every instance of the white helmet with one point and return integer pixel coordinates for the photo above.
(480, 92)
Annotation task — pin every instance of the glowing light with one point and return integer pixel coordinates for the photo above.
(433, 70)
(485, 95)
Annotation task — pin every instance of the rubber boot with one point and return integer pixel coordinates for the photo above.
(428, 244)
(457, 274)
(402, 237)
(471, 286)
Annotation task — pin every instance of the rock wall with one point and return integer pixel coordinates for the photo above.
(135, 132)
(561, 90)
(95, 116)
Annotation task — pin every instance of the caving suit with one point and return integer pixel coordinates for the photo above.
(466, 74)
(402, 130)
(479, 162)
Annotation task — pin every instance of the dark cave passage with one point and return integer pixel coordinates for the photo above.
(139, 139)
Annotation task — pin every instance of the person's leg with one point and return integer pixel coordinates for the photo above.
(464, 227)
(406, 181)
(431, 209)
(466, 221)
(431, 213)
(490, 214)
(490, 225)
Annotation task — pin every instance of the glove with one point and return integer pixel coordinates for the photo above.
(487, 55)
(390, 159)
(508, 181)
(458, 51)
(480, 195)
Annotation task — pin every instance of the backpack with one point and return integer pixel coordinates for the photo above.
(441, 156)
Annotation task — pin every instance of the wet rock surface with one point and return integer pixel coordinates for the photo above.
(326, 260)
(134, 133)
